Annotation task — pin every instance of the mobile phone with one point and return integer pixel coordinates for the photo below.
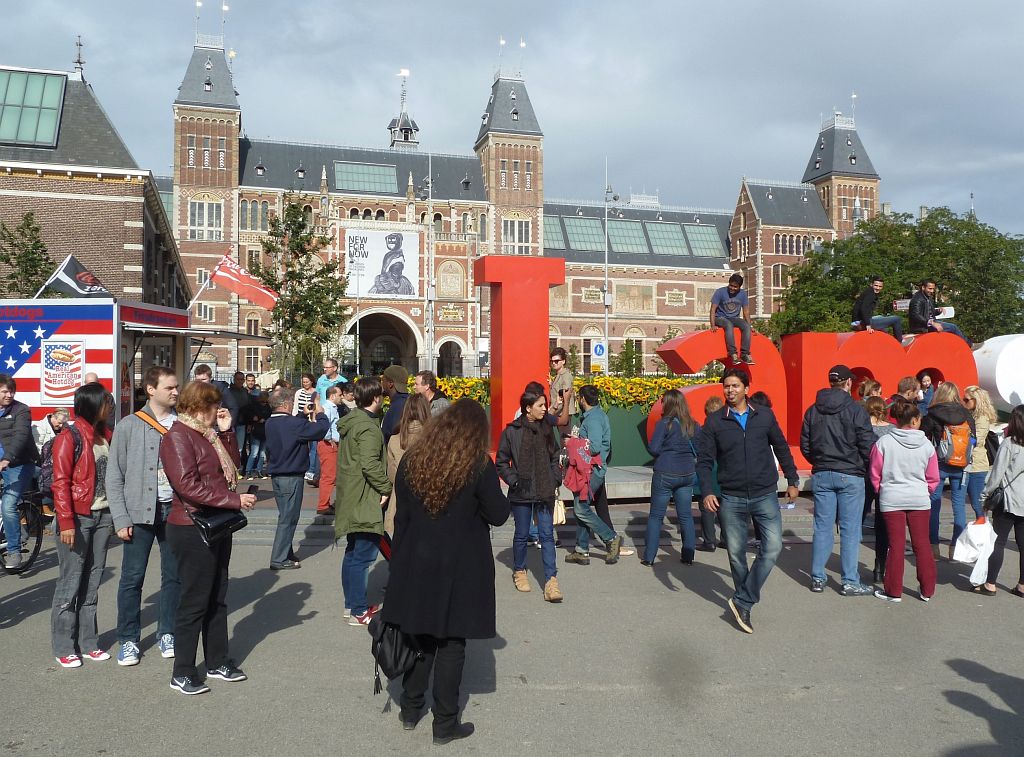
(253, 489)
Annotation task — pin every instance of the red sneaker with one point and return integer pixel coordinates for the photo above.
(97, 655)
(365, 618)
(70, 661)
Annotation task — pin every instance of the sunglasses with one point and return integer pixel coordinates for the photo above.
(557, 360)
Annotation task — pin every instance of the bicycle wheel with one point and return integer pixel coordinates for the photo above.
(31, 537)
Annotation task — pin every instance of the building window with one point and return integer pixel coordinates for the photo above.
(743, 221)
(465, 223)
(205, 221)
(780, 276)
(252, 325)
(252, 359)
(264, 217)
(307, 214)
(203, 276)
(638, 349)
(191, 149)
(206, 152)
(515, 237)
(243, 214)
(379, 216)
(206, 312)
(252, 257)
(529, 175)
(354, 213)
(482, 230)
(222, 146)
(778, 246)
(367, 214)
(503, 181)
(586, 356)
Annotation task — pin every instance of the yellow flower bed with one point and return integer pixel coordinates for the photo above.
(615, 390)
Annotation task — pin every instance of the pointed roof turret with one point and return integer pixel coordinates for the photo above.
(403, 128)
(509, 110)
(208, 82)
(839, 152)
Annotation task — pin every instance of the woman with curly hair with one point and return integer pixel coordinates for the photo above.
(441, 587)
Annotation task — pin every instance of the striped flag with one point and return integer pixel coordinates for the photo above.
(236, 279)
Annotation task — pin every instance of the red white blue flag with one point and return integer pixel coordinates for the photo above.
(48, 348)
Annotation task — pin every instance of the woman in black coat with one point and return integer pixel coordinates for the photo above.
(441, 585)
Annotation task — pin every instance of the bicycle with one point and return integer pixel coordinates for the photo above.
(30, 511)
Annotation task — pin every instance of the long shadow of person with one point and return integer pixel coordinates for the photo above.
(1004, 721)
(23, 603)
(274, 612)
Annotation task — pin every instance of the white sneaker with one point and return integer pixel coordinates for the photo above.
(12, 560)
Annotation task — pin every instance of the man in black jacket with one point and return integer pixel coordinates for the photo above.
(923, 311)
(741, 438)
(17, 465)
(836, 437)
(864, 317)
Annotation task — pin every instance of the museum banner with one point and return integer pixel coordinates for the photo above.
(382, 263)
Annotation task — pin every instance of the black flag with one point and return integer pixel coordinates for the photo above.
(75, 280)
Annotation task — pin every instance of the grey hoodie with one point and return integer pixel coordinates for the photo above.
(904, 469)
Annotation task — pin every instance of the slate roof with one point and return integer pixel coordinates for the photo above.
(403, 121)
(720, 219)
(837, 144)
(280, 159)
(208, 63)
(787, 205)
(509, 110)
(85, 137)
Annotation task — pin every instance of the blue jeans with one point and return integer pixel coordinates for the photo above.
(16, 480)
(522, 513)
(842, 493)
(949, 327)
(360, 553)
(883, 322)
(734, 513)
(134, 560)
(240, 432)
(587, 521)
(314, 460)
(958, 493)
(680, 490)
(727, 324)
(975, 484)
(288, 493)
(257, 455)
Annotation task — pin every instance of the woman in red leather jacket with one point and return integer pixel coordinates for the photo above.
(198, 454)
(84, 524)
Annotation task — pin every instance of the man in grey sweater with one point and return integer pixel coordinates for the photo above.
(140, 499)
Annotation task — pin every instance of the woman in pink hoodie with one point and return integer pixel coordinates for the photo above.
(904, 470)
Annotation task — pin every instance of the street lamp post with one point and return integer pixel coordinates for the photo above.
(356, 267)
(428, 278)
(609, 197)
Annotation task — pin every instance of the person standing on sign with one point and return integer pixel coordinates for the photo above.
(729, 310)
(740, 438)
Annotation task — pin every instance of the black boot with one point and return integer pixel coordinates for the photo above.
(458, 731)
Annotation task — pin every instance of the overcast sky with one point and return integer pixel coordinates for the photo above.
(683, 98)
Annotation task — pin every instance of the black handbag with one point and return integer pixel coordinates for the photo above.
(394, 652)
(214, 523)
(996, 501)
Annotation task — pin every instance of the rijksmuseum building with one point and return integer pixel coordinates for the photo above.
(428, 216)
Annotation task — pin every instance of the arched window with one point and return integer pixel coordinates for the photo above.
(367, 215)
(243, 214)
(264, 216)
(307, 214)
(482, 228)
(393, 215)
(423, 218)
(438, 223)
(354, 213)
(465, 223)
(792, 244)
(778, 245)
(799, 245)
(379, 216)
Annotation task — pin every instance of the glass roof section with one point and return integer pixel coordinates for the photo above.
(584, 233)
(667, 238)
(704, 240)
(627, 236)
(30, 106)
(365, 177)
(553, 239)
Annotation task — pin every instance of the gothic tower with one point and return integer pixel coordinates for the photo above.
(842, 174)
(510, 146)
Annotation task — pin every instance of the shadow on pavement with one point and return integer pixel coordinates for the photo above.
(22, 604)
(1003, 710)
(271, 613)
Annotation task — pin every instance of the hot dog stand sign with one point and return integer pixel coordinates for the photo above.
(63, 370)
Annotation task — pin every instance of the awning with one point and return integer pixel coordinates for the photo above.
(198, 334)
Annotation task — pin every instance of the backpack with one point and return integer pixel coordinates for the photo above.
(956, 446)
(992, 446)
(46, 464)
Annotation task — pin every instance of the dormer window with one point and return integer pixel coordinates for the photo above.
(821, 144)
(853, 158)
(260, 168)
(512, 95)
(849, 142)
(208, 85)
(300, 172)
(209, 64)
(515, 114)
(817, 162)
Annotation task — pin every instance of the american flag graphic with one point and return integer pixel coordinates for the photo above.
(26, 326)
(62, 370)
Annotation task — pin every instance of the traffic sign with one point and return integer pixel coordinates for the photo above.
(599, 357)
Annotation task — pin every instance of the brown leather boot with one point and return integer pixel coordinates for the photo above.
(520, 580)
(551, 591)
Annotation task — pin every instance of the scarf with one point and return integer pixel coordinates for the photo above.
(228, 465)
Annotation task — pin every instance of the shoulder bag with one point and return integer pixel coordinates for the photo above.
(215, 523)
(394, 652)
(995, 502)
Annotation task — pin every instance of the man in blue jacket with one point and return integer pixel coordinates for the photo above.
(741, 438)
(288, 438)
(836, 437)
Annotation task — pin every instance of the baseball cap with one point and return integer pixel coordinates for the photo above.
(839, 373)
(397, 374)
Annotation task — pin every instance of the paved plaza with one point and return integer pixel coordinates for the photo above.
(635, 661)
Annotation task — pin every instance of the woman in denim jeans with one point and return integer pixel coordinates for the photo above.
(978, 402)
(673, 445)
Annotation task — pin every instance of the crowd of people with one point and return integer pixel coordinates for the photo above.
(179, 461)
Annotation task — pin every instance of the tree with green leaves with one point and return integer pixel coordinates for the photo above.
(25, 259)
(978, 270)
(629, 361)
(572, 360)
(309, 311)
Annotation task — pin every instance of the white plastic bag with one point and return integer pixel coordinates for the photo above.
(972, 541)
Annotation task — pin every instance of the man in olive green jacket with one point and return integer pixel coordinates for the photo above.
(363, 489)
